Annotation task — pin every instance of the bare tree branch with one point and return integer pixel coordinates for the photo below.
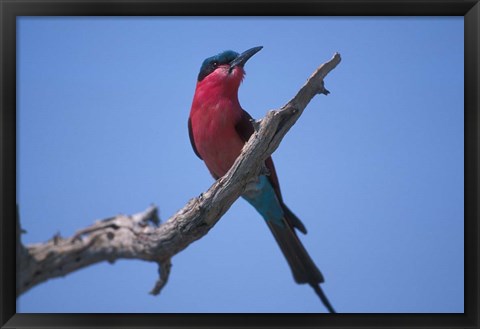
(139, 236)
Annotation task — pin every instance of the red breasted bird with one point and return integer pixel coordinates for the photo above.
(218, 129)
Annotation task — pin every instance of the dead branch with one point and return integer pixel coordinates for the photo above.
(139, 236)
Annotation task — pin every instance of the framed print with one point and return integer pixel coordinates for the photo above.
(116, 115)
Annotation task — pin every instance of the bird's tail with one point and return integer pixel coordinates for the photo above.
(301, 264)
(303, 268)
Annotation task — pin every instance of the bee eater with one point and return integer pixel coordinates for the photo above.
(218, 129)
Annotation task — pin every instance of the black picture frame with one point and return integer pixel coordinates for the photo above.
(11, 9)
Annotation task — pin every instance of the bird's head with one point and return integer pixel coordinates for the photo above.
(226, 68)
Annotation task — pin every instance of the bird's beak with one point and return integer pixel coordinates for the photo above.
(241, 59)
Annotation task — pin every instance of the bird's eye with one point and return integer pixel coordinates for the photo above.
(214, 64)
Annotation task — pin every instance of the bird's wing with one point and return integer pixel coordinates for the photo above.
(244, 126)
(192, 141)
(245, 129)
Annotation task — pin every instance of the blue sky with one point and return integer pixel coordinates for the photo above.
(374, 170)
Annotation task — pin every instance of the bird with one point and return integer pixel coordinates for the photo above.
(218, 129)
